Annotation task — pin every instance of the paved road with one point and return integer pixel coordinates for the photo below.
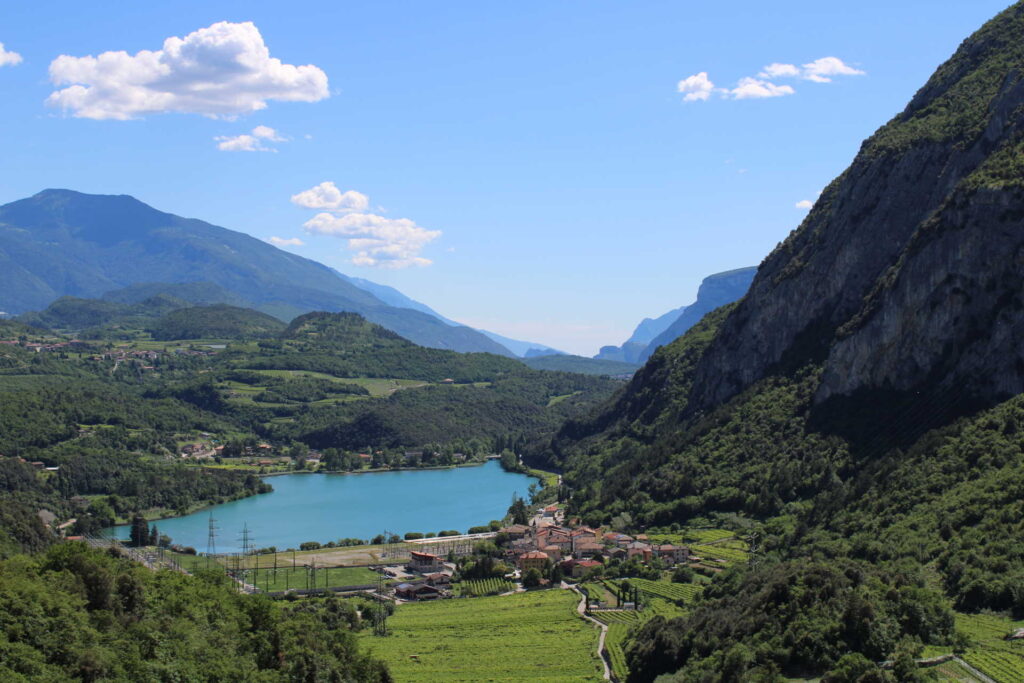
(582, 609)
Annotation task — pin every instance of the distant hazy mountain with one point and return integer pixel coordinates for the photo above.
(649, 328)
(523, 349)
(393, 297)
(722, 287)
(64, 243)
(632, 349)
(715, 290)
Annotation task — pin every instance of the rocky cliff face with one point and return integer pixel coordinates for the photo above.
(907, 272)
(715, 291)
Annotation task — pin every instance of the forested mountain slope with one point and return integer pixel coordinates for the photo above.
(860, 406)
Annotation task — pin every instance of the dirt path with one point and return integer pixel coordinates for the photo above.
(582, 610)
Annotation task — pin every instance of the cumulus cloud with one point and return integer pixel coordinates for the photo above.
(804, 204)
(821, 70)
(699, 86)
(752, 88)
(696, 87)
(8, 57)
(253, 142)
(776, 70)
(282, 242)
(221, 71)
(326, 195)
(377, 240)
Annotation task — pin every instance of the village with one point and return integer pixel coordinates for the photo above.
(537, 555)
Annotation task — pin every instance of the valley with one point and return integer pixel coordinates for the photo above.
(221, 460)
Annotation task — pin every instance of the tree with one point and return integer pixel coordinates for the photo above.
(154, 536)
(139, 534)
(682, 574)
(518, 511)
(532, 577)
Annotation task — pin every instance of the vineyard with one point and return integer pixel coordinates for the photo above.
(536, 636)
(1002, 660)
(690, 536)
(614, 645)
(679, 593)
(480, 587)
(730, 552)
(621, 623)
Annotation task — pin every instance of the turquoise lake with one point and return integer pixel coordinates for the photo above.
(326, 507)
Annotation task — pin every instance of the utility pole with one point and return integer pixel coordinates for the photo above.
(246, 549)
(211, 540)
(380, 612)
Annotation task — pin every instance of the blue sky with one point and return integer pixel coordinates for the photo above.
(540, 154)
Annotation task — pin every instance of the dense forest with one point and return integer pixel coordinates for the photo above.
(72, 613)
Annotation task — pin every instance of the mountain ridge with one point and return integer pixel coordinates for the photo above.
(62, 242)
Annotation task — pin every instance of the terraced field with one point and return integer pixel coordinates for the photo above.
(536, 636)
(621, 623)
(991, 654)
(481, 587)
(729, 552)
(679, 593)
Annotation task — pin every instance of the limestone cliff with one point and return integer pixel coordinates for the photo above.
(907, 272)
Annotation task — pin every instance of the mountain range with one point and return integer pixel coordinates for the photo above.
(64, 243)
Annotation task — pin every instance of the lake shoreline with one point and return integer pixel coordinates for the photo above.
(379, 470)
(453, 497)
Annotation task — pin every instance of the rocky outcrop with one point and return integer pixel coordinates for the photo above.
(906, 275)
(715, 291)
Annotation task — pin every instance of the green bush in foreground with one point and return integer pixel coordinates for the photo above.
(75, 613)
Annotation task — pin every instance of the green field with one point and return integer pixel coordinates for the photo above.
(375, 385)
(481, 587)
(679, 593)
(299, 577)
(688, 536)
(727, 552)
(534, 636)
(1002, 660)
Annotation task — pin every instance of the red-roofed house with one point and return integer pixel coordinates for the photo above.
(424, 562)
(581, 567)
(534, 559)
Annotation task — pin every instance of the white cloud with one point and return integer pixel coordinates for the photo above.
(700, 87)
(268, 133)
(250, 143)
(696, 87)
(752, 88)
(804, 204)
(377, 241)
(291, 242)
(326, 195)
(820, 70)
(8, 57)
(223, 71)
(776, 70)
